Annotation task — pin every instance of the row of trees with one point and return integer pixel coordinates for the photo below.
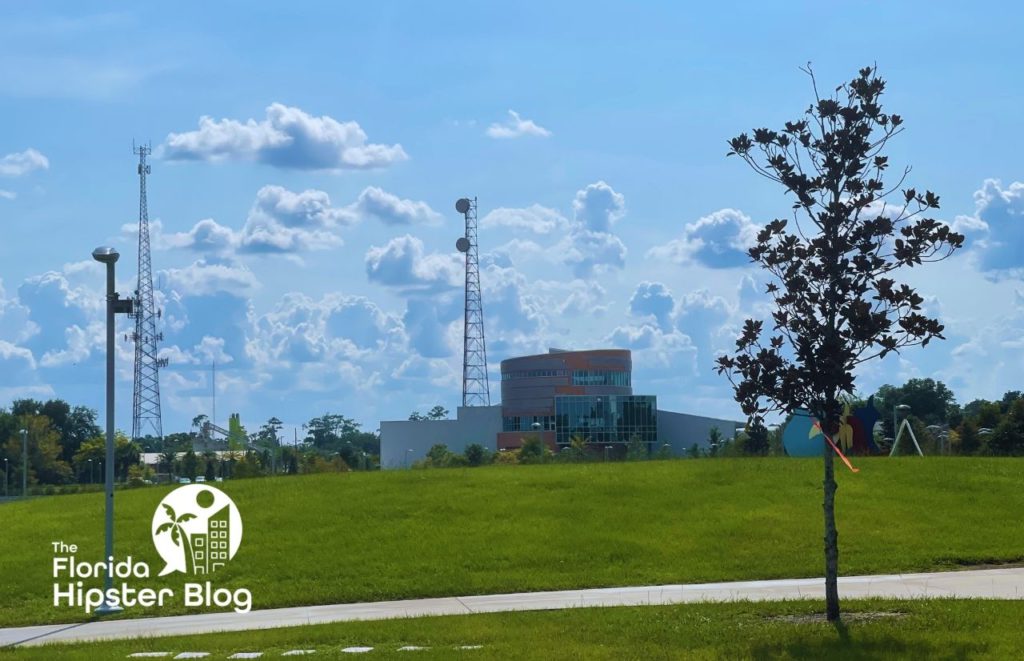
(980, 427)
(940, 424)
(264, 452)
(60, 440)
(251, 463)
(66, 446)
(534, 451)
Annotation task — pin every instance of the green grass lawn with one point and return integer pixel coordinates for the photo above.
(933, 630)
(372, 536)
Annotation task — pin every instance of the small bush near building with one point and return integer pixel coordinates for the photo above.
(476, 454)
(506, 457)
(533, 450)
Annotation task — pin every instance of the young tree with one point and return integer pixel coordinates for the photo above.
(714, 441)
(988, 415)
(190, 465)
(532, 450)
(1008, 436)
(636, 449)
(177, 442)
(439, 455)
(755, 440)
(970, 442)
(45, 465)
(475, 454)
(167, 461)
(198, 423)
(578, 447)
(835, 304)
(437, 413)
(327, 431)
(269, 435)
(929, 400)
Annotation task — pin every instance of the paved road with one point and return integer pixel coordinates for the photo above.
(985, 583)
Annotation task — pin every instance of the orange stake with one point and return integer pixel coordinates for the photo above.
(835, 447)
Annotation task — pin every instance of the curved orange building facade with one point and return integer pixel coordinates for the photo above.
(568, 392)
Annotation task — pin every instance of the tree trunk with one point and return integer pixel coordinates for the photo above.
(831, 536)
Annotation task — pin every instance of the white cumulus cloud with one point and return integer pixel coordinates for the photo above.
(286, 222)
(718, 240)
(598, 206)
(999, 217)
(287, 138)
(516, 127)
(204, 277)
(534, 218)
(402, 263)
(391, 209)
(653, 299)
(17, 164)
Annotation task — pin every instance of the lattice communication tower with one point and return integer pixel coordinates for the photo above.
(476, 390)
(146, 396)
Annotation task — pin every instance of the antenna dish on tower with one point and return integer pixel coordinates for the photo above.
(462, 206)
(462, 244)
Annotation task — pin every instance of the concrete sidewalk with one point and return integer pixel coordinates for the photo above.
(984, 583)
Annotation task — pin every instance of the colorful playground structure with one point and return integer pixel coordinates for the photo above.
(802, 437)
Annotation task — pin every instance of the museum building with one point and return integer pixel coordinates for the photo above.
(557, 395)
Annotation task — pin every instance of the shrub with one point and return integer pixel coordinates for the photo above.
(316, 464)
(135, 476)
(476, 454)
(439, 455)
(506, 457)
(636, 449)
(533, 450)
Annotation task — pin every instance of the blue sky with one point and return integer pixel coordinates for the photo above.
(308, 157)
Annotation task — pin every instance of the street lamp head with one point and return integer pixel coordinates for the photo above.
(105, 254)
(23, 431)
(903, 408)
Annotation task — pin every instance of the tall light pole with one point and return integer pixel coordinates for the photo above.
(24, 463)
(6, 464)
(90, 470)
(115, 305)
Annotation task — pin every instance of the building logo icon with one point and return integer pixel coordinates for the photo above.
(196, 530)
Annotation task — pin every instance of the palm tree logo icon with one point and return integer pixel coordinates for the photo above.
(196, 529)
(178, 533)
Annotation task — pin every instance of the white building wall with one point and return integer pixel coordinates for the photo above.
(403, 442)
(682, 430)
